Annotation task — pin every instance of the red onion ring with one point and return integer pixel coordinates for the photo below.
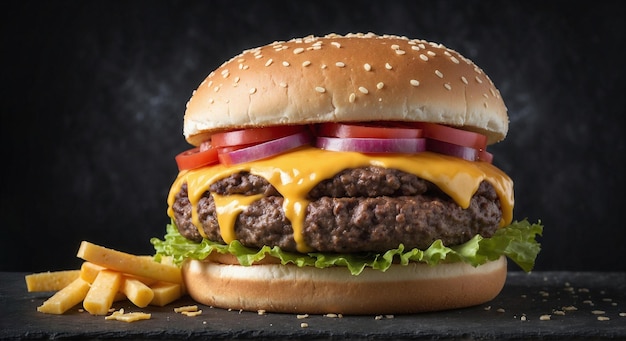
(266, 149)
(372, 145)
(466, 153)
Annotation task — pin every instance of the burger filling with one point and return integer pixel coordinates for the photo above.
(366, 209)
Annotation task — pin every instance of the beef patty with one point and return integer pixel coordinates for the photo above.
(368, 209)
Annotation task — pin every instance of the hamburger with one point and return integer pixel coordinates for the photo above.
(345, 174)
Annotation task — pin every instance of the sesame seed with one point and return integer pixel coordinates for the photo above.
(259, 56)
(400, 52)
(211, 100)
(395, 47)
(304, 325)
(388, 66)
(493, 92)
(269, 62)
(282, 84)
(352, 97)
(252, 90)
(447, 86)
(454, 60)
(320, 89)
(423, 57)
(216, 89)
(323, 66)
(237, 79)
(439, 74)
(340, 64)
(367, 67)
(416, 48)
(545, 317)
(479, 80)
(336, 44)
(464, 80)
(363, 90)
(415, 82)
(298, 50)
(246, 67)
(210, 84)
(603, 318)
(380, 85)
(487, 96)
(306, 63)
(431, 53)
(285, 63)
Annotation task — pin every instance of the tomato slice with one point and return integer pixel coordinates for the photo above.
(252, 135)
(453, 135)
(344, 130)
(196, 157)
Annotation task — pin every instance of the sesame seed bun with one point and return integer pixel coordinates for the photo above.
(290, 289)
(356, 77)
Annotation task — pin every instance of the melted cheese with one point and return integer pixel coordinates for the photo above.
(294, 174)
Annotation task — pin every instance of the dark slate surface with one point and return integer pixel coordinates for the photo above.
(514, 314)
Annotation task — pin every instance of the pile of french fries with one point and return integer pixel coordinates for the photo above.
(107, 276)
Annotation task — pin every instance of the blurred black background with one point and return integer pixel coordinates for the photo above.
(93, 95)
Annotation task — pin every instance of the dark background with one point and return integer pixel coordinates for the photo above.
(93, 95)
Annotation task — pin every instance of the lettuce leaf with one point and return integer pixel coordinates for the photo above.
(516, 241)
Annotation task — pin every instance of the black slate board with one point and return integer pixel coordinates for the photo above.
(599, 299)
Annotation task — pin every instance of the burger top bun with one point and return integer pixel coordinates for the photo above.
(356, 77)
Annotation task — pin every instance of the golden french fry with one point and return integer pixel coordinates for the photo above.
(89, 271)
(50, 281)
(65, 298)
(102, 292)
(165, 293)
(137, 292)
(129, 264)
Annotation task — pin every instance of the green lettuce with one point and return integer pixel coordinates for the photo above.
(516, 241)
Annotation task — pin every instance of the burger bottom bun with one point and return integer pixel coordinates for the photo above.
(290, 289)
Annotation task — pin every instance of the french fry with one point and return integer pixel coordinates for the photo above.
(165, 293)
(89, 271)
(129, 264)
(50, 281)
(65, 298)
(137, 292)
(102, 292)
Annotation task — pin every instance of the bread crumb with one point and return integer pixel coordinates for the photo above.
(261, 312)
(188, 308)
(191, 313)
(378, 317)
